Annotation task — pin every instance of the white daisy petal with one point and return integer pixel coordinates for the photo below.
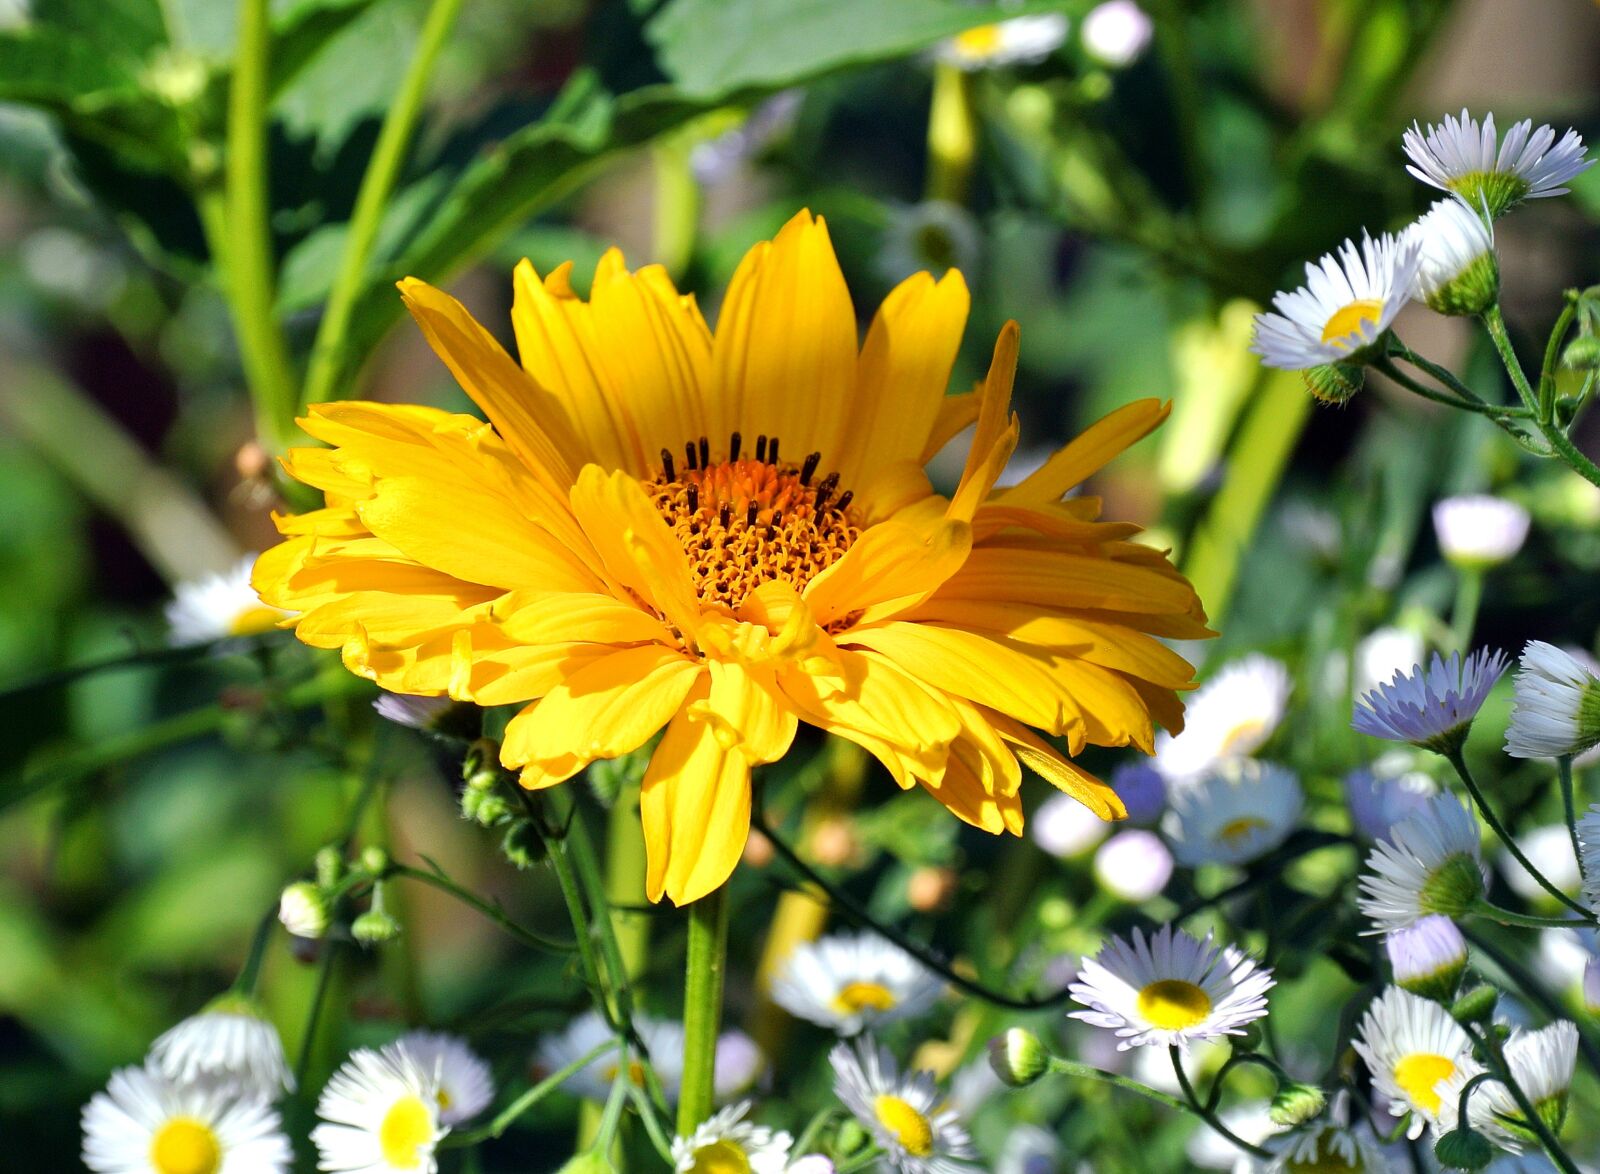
(1022, 40)
(230, 1044)
(466, 1086)
(1238, 813)
(147, 1123)
(1230, 716)
(1478, 530)
(1412, 1048)
(850, 982)
(1458, 156)
(903, 1113)
(219, 606)
(1557, 710)
(727, 1142)
(380, 1115)
(1542, 1064)
(1431, 863)
(1458, 272)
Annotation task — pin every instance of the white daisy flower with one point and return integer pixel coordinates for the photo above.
(230, 1044)
(1171, 989)
(1431, 863)
(727, 1142)
(933, 236)
(1388, 791)
(1479, 530)
(1557, 710)
(146, 1123)
(849, 982)
(220, 605)
(1022, 40)
(1238, 813)
(1230, 716)
(1542, 1064)
(1459, 156)
(1428, 958)
(1133, 866)
(380, 1114)
(1458, 273)
(1117, 33)
(1331, 1144)
(1551, 846)
(902, 1112)
(466, 1086)
(1348, 301)
(1412, 1048)
(1066, 828)
(739, 1060)
(1589, 841)
(1433, 709)
(417, 713)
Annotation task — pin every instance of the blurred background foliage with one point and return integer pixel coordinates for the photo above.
(1131, 219)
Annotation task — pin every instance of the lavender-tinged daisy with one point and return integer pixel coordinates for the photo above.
(1433, 710)
(1431, 863)
(1459, 155)
(1428, 958)
(1476, 531)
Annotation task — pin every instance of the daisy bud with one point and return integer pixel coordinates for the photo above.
(1557, 710)
(1134, 865)
(1117, 33)
(1591, 987)
(1249, 1038)
(374, 927)
(523, 845)
(1335, 383)
(1295, 1103)
(1476, 531)
(1582, 353)
(374, 859)
(1476, 1005)
(1459, 274)
(1017, 1057)
(303, 910)
(851, 1137)
(1428, 957)
(484, 808)
(1464, 1149)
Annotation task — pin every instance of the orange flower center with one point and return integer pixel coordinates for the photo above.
(745, 521)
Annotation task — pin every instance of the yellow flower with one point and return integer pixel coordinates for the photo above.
(727, 535)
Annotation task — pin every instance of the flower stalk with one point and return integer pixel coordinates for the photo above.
(702, 1006)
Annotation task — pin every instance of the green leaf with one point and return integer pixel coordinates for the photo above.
(301, 33)
(712, 48)
(128, 29)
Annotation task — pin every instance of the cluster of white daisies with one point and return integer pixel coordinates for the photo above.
(1446, 259)
(204, 1101)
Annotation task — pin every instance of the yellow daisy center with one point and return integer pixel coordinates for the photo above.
(635, 1073)
(747, 521)
(909, 1127)
(980, 42)
(404, 1130)
(720, 1157)
(1237, 829)
(185, 1146)
(1418, 1075)
(1351, 319)
(254, 620)
(1241, 734)
(443, 1097)
(1173, 1004)
(854, 997)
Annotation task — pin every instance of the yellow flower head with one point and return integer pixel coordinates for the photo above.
(726, 535)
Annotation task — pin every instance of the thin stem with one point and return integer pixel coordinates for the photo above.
(1239, 1060)
(624, 956)
(1088, 1072)
(1527, 920)
(1552, 355)
(245, 984)
(1580, 464)
(652, 1123)
(249, 264)
(702, 1007)
(493, 912)
(1569, 806)
(582, 932)
(1532, 989)
(1206, 1114)
(1494, 1049)
(377, 184)
(1464, 614)
(503, 1119)
(319, 996)
(1459, 762)
(1473, 404)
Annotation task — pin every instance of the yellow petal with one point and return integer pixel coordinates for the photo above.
(1067, 581)
(1062, 773)
(638, 550)
(964, 796)
(744, 714)
(539, 618)
(955, 413)
(1088, 453)
(890, 564)
(996, 435)
(784, 356)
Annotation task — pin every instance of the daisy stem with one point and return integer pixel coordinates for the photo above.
(1495, 1050)
(1580, 464)
(702, 1006)
(1527, 920)
(1552, 354)
(1464, 613)
(493, 912)
(1569, 807)
(377, 183)
(1532, 989)
(583, 931)
(1472, 404)
(1458, 760)
(1205, 1114)
(245, 984)
(652, 1123)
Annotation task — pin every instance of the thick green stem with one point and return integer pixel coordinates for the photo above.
(1457, 760)
(383, 170)
(702, 1007)
(1205, 1114)
(624, 881)
(249, 263)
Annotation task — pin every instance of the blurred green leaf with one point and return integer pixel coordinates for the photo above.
(713, 48)
(127, 29)
(302, 32)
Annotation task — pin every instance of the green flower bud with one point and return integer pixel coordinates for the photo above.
(1582, 353)
(485, 808)
(523, 845)
(1249, 1038)
(1475, 1005)
(303, 910)
(374, 859)
(1335, 383)
(374, 926)
(1017, 1057)
(330, 866)
(851, 1136)
(1295, 1103)
(1464, 1149)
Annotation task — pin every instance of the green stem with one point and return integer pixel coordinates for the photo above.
(245, 984)
(676, 210)
(1552, 355)
(302, 1063)
(702, 1007)
(583, 931)
(1558, 439)
(493, 912)
(652, 1123)
(1474, 404)
(1464, 615)
(377, 184)
(952, 135)
(1532, 990)
(1528, 920)
(1239, 1060)
(1496, 1052)
(624, 935)
(249, 264)
(1205, 1114)
(1459, 762)
(1088, 1072)
(503, 1119)
(1569, 807)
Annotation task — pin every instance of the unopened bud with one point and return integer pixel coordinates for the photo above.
(303, 910)
(1476, 1005)
(1017, 1057)
(851, 1136)
(484, 808)
(1335, 383)
(1428, 957)
(1464, 1149)
(374, 926)
(330, 866)
(523, 845)
(1582, 353)
(1295, 1103)
(1249, 1039)
(374, 859)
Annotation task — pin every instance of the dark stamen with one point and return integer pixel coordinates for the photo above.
(666, 464)
(705, 454)
(688, 454)
(694, 499)
(761, 447)
(809, 468)
(772, 526)
(733, 446)
(825, 489)
(845, 499)
(750, 514)
(725, 515)
(772, 452)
